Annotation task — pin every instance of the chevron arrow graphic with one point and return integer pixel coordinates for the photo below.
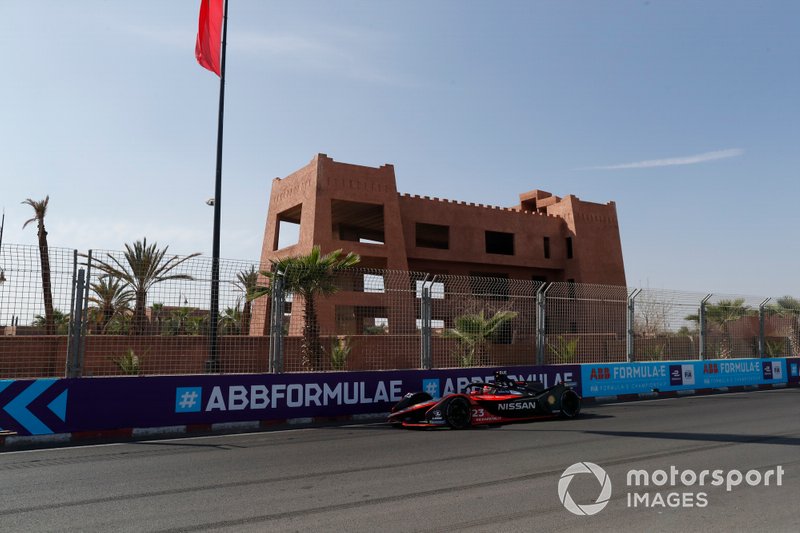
(18, 407)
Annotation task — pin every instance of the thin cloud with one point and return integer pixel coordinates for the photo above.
(330, 51)
(672, 161)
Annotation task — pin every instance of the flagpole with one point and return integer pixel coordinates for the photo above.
(212, 364)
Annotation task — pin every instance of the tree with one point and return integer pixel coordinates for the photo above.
(60, 322)
(788, 307)
(179, 321)
(143, 267)
(719, 316)
(248, 281)
(652, 315)
(157, 316)
(40, 210)
(112, 298)
(230, 321)
(309, 276)
(473, 332)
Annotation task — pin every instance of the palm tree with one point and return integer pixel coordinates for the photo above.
(60, 322)
(720, 315)
(231, 320)
(40, 210)
(248, 280)
(788, 307)
(473, 331)
(309, 276)
(179, 320)
(111, 297)
(143, 267)
(197, 325)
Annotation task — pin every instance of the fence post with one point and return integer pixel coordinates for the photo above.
(541, 322)
(425, 313)
(276, 325)
(631, 317)
(85, 316)
(762, 345)
(701, 315)
(67, 361)
(74, 360)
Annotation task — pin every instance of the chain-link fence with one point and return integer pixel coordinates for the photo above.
(145, 311)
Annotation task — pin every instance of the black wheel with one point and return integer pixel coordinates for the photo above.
(570, 404)
(458, 413)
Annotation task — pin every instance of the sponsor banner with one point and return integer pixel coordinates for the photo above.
(439, 383)
(38, 407)
(793, 369)
(635, 378)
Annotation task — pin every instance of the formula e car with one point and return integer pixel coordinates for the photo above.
(505, 401)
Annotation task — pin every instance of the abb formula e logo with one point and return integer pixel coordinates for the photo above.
(586, 509)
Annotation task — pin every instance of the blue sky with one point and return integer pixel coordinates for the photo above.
(685, 113)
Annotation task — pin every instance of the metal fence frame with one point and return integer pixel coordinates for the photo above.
(377, 320)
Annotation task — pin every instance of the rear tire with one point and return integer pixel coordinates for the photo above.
(570, 404)
(458, 413)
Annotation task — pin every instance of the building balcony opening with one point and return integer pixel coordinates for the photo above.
(288, 231)
(357, 222)
(361, 320)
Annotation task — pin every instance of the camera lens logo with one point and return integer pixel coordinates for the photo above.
(591, 508)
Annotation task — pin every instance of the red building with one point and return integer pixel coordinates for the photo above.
(357, 208)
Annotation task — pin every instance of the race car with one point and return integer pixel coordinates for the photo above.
(505, 401)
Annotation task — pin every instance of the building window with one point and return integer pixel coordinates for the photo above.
(569, 248)
(433, 236)
(547, 247)
(498, 242)
(357, 222)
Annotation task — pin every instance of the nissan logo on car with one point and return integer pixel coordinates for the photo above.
(516, 405)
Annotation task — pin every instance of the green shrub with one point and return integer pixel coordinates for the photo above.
(340, 351)
(128, 363)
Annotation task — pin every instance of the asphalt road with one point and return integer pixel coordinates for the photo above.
(374, 478)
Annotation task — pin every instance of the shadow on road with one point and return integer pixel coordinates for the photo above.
(785, 440)
(385, 426)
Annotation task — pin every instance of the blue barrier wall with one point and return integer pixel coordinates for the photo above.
(634, 378)
(794, 370)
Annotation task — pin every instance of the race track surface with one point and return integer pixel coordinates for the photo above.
(375, 478)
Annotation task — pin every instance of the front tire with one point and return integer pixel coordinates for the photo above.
(570, 404)
(458, 413)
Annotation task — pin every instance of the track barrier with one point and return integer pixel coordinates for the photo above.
(69, 410)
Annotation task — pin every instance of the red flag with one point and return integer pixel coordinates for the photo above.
(208, 35)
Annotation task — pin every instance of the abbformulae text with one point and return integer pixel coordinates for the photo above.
(254, 397)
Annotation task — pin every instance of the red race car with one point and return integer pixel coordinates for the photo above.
(505, 401)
